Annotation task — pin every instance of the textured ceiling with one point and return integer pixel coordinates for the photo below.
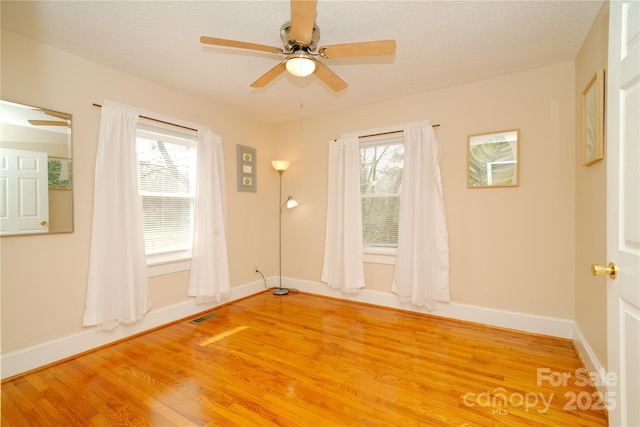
(439, 44)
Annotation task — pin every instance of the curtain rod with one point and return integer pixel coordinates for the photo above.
(157, 120)
(195, 130)
(390, 132)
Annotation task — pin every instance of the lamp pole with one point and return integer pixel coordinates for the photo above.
(280, 290)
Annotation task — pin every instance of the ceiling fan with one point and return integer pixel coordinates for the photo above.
(63, 116)
(300, 38)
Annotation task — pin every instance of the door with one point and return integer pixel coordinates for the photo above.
(623, 212)
(24, 192)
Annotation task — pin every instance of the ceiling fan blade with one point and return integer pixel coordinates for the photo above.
(303, 16)
(63, 116)
(269, 75)
(241, 45)
(330, 78)
(380, 47)
(47, 123)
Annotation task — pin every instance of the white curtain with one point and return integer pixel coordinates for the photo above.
(422, 264)
(117, 290)
(343, 256)
(209, 279)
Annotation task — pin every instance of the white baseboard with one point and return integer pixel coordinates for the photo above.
(588, 356)
(17, 362)
(20, 361)
(543, 325)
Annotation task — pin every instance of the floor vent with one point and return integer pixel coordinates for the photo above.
(201, 319)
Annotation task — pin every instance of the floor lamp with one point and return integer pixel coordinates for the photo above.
(281, 166)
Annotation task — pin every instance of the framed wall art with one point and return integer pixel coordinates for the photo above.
(593, 120)
(59, 171)
(493, 159)
(246, 157)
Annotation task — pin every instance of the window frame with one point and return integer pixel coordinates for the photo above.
(170, 261)
(381, 254)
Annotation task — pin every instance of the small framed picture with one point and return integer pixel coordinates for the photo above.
(246, 157)
(493, 159)
(593, 120)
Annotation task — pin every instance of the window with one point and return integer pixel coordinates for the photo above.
(167, 167)
(381, 163)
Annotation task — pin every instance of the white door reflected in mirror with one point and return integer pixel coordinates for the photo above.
(36, 185)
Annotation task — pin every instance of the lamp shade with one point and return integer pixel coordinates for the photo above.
(280, 165)
(291, 202)
(300, 65)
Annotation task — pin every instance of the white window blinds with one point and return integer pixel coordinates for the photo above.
(167, 167)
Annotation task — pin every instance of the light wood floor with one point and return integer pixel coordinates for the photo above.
(303, 360)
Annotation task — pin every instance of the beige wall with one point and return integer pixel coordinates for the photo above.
(591, 196)
(510, 248)
(43, 278)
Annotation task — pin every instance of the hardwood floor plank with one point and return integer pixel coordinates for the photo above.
(22, 394)
(114, 397)
(14, 406)
(304, 360)
(157, 400)
(111, 410)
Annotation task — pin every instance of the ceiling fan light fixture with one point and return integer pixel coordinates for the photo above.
(300, 64)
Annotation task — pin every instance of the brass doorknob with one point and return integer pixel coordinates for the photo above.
(601, 270)
(43, 222)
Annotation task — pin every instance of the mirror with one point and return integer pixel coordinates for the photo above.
(493, 159)
(36, 190)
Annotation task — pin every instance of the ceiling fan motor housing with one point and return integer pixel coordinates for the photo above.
(292, 45)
